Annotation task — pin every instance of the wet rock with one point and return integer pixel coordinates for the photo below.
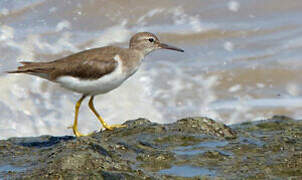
(191, 148)
(204, 125)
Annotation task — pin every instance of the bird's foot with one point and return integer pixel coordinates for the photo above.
(113, 126)
(77, 133)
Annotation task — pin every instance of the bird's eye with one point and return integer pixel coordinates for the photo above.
(151, 39)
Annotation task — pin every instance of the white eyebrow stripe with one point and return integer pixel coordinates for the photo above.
(143, 37)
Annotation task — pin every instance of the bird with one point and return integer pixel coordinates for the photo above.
(96, 71)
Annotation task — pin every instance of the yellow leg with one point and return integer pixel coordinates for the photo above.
(105, 125)
(75, 123)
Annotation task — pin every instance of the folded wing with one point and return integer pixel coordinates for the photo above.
(89, 64)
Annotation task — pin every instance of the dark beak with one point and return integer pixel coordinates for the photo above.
(166, 46)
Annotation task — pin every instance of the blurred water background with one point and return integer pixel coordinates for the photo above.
(242, 61)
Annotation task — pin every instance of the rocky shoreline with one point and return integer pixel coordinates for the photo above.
(191, 148)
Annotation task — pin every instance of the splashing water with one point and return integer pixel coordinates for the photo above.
(239, 63)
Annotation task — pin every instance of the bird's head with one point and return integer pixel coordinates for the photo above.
(147, 42)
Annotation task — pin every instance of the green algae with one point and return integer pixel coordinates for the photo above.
(191, 148)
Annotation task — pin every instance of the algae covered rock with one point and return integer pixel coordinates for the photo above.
(191, 148)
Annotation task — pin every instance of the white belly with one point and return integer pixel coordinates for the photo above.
(90, 87)
(96, 86)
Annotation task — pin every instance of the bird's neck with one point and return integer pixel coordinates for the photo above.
(141, 50)
(132, 63)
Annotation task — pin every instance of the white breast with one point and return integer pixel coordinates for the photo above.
(98, 86)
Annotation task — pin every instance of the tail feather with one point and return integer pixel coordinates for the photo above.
(27, 62)
(31, 67)
(16, 71)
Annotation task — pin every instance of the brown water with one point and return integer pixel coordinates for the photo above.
(242, 60)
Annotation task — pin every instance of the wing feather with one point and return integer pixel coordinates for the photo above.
(89, 64)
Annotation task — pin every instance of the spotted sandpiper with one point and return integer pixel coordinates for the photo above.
(96, 71)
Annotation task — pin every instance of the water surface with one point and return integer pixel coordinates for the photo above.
(242, 61)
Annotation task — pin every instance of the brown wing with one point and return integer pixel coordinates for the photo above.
(84, 69)
(89, 64)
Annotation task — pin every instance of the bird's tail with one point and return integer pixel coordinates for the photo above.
(30, 67)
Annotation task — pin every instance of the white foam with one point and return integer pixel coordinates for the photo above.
(114, 34)
(228, 46)
(34, 43)
(182, 23)
(53, 9)
(38, 112)
(260, 85)
(235, 88)
(293, 89)
(193, 22)
(7, 33)
(4, 12)
(142, 20)
(233, 6)
(259, 103)
(63, 25)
